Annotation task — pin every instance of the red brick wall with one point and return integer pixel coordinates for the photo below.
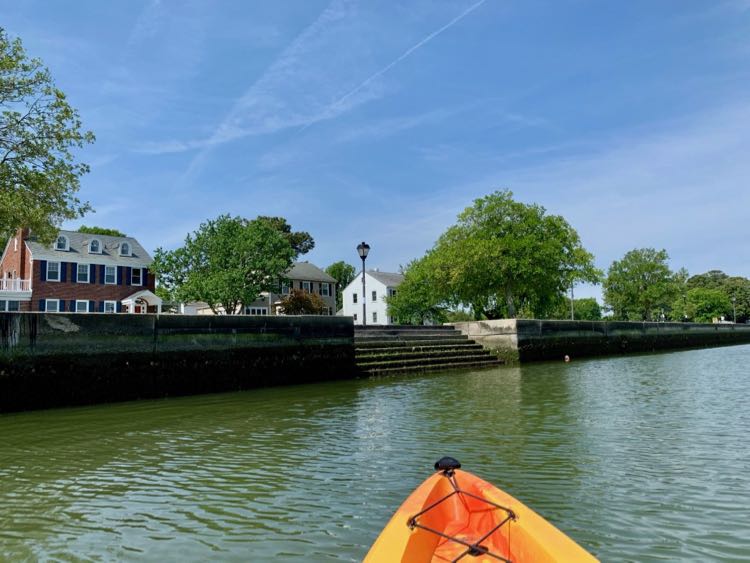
(16, 259)
(68, 290)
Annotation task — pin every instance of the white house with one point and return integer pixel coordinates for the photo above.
(378, 285)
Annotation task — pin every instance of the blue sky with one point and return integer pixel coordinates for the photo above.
(380, 121)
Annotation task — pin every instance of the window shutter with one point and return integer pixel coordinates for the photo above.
(119, 307)
(128, 278)
(42, 304)
(92, 306)
(63, 271)
(92, 273)
(74, 272)
(101, 304)
(73, 306)
(119, 275)
(144, 276)
(101, 277)
(42, 272)
(61, 305)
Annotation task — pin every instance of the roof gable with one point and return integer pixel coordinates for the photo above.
(310, 272)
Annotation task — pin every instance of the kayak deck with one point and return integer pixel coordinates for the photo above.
(456, 516)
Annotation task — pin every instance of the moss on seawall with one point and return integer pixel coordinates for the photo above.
(50, 360)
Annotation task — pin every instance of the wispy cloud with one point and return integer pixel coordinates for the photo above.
(297, 89)
(370, 79)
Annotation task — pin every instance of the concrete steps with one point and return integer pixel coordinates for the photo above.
(393, 349)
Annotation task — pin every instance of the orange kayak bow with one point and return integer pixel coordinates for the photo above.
(455, 515)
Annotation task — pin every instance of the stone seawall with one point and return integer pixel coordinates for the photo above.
(50, 360)
(527, 340)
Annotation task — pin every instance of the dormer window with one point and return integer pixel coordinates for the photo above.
(61, 243)
(95, 247)
(124, 249)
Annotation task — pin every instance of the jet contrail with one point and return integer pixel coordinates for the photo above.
(402, 56)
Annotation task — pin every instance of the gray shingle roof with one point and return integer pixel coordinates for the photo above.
(79, 250)
(387, 278)
(306, 271)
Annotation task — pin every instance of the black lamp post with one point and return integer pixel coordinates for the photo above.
(363, 249)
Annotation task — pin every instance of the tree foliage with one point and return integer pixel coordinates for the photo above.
(39, 176)
(501, 258)
(227, 263)
(418, 299)
(584, 309)
(101, 231)
(735, 288)
(702, 305)
(300, 302)
(343, 273)
(300, 241)
(641, 286)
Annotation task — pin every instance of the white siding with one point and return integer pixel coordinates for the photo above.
(378, 306)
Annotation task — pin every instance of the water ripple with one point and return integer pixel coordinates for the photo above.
(638, 458)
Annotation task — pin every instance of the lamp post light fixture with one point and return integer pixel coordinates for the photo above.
(363, 249)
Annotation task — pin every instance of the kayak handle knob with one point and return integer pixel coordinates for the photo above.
(447, 464)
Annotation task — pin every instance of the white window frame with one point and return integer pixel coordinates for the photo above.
(284, 288)
(374, 296)
(123, 246)
(15, 244)
(86, 304)
(325, 289)
(57, 243)
(99, 243)
(87, 268)
(114, 275)
(257, 311)
(113, 304)
(48, 302)
(374, 316)
(354, 317)
(307, 286)
(354, 297)
(140, 276)
(58, 271)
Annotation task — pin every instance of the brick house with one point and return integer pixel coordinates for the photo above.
(78, 273)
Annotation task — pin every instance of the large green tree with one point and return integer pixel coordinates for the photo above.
(502, 257)
(419, 298)
(301, 242)
(641, 286)
(584, 309)
(227, 263)
(702, 305)
(736, 289)
(39, 130)
(343, 273)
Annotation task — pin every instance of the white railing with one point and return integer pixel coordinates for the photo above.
(8, 284)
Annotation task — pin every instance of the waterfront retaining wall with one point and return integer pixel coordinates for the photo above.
(49, 360)
(528, 340)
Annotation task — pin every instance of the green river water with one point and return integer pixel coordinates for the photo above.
(639, 458)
